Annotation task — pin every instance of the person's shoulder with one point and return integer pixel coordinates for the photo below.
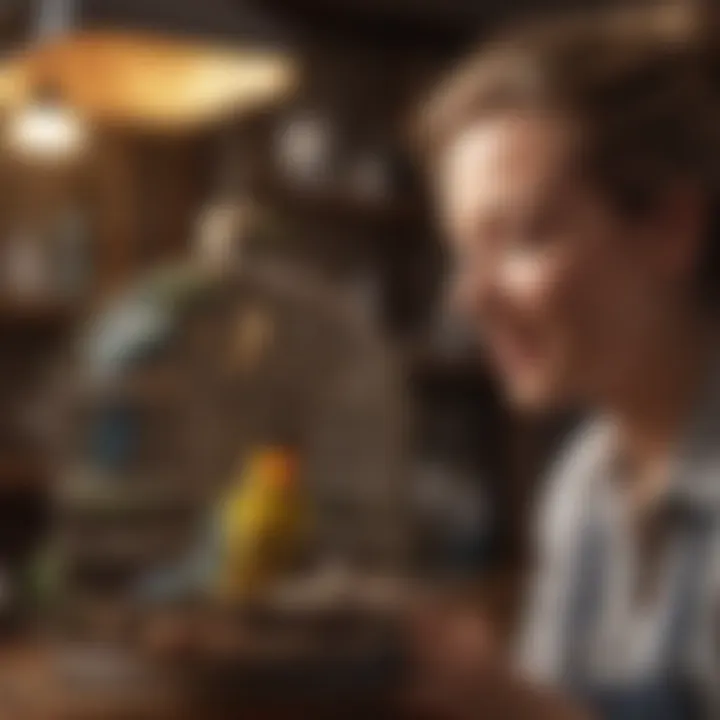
(568, 487)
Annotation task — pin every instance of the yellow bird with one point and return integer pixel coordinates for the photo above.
(264, 523)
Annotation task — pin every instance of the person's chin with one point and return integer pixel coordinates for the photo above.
(533, 396)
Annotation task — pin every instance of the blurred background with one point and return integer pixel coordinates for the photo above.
(138, 132)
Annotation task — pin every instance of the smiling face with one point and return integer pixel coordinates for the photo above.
(564, 291)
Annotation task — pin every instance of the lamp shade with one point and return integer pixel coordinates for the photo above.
(147, 81)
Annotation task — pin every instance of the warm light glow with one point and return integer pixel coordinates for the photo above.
(145, 81)
(46, 131)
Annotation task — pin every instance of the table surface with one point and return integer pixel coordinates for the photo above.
(35, 698)
(28, 690)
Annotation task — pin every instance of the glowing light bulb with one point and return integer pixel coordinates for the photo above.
(46, 131)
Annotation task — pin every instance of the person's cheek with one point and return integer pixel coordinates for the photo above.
(472, 292)
(463, 294)
(526, 277)
(587, 301)
(540, 293)
(528, 286)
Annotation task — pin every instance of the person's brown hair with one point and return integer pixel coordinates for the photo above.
(640, 82)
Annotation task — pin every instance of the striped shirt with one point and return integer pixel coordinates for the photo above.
(626, 640)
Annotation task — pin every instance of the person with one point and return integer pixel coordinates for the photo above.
(576, 168)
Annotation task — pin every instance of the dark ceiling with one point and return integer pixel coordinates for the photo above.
(385, 21)
(223, 19)
(424, 24)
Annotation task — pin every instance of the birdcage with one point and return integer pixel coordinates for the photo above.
(173, 397)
